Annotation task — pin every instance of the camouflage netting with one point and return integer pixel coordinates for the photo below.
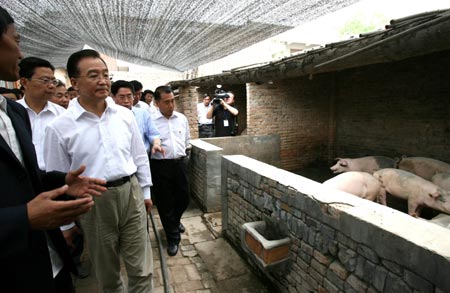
(172, 34)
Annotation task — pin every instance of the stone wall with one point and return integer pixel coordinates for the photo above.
(340, 243)
(205, 175)
(205, 163)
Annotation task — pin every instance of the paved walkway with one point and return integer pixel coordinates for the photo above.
(204, 263)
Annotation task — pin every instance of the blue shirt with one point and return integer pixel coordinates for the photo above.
(146, 126)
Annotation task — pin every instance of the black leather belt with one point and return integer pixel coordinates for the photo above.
(119, 181)
(168, 160)
(201, 125)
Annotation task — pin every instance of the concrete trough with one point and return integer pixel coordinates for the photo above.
(269, 249)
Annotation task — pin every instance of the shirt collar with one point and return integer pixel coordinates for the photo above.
(78, 110)
(158, 115)
(49, 106)
(3, 103)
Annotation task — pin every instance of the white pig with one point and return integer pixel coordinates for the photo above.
(361, 184)
(416, 190)
(423, 167)
(442, 180)
(364, 164)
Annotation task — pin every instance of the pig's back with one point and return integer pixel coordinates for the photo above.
(361, 184)
(402, 183)
(424, 167)
(442, 180)
(384, 162)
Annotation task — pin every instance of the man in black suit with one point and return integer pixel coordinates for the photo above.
(33, 254)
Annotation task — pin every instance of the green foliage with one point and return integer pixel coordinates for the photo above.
(363, 23)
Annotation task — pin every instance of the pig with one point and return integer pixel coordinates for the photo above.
(442, 180)
(423, 167)
(361, 184)
(364, 164)
(416, 190)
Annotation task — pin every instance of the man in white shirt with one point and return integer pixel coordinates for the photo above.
(122, 94)
(38, 79)
(33, 253)
(106, 135)
(169, 172)
(137, 96)
(205, 125)
(37, 76)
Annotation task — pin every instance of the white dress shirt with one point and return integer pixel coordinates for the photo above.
(174, 135)
(7, 130)
(110, 146)
(142, 105)
(39, 122)
(8, 133)
(152, 109)
(201, 114)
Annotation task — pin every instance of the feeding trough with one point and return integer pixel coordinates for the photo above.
(265, 245)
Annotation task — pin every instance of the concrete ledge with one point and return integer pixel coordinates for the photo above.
(361, 238)
(205, 163)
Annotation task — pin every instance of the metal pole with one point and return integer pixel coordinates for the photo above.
(165, 275)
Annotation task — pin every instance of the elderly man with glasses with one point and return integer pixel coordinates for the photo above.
(38, 79)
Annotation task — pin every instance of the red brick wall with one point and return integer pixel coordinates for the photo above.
(240, 94)
(186, 103)
(297, 110)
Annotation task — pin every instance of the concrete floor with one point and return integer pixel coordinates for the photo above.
(204, 263)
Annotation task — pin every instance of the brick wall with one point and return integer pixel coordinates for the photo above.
(297, 110)
(386, 109)
(186, 103)
(340, 243)
(395, 109)
(240, 101)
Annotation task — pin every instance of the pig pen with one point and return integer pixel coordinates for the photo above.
(388, 109)
(320, 172)
(338, 242)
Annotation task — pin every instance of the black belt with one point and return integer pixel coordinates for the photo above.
(168, 160)
(119, 181)
(201, 125)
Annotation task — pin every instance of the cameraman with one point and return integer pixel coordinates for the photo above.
(225, 116)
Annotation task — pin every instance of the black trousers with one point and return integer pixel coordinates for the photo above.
(170, 193)
(63, 282)
(205, 130)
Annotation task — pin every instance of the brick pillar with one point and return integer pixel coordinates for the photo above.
(186, 103)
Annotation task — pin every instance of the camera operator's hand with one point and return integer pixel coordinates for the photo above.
(230, 108)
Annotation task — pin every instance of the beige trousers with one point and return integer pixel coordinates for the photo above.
(117, 226)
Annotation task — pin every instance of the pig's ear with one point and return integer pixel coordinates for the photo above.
(397, 161)
(435, 194)
(343, 163)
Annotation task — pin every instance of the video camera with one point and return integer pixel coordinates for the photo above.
(219, 94)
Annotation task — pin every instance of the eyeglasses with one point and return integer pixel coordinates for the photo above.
(46, 81)
(97, 77)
